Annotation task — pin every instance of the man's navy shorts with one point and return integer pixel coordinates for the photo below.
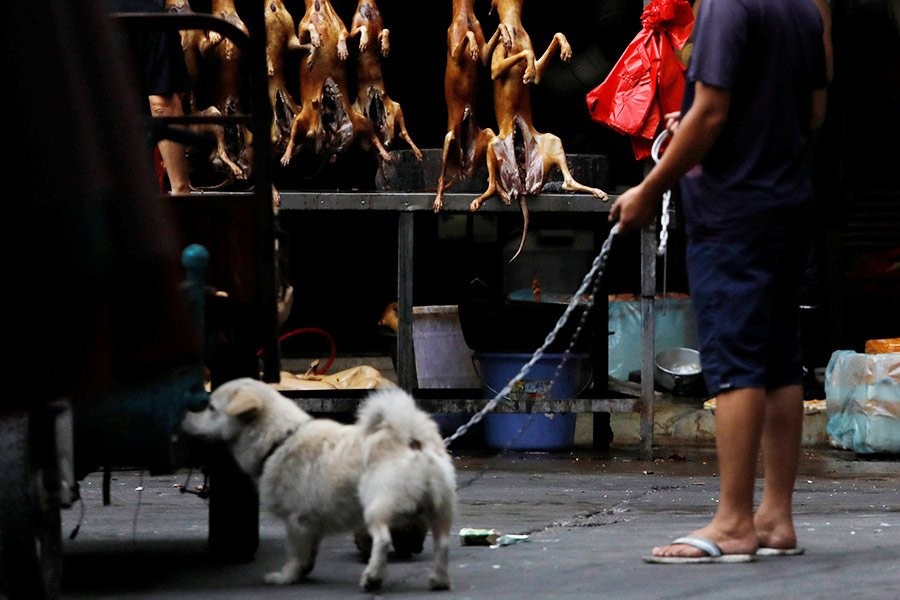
(744, 295)
(157, 53)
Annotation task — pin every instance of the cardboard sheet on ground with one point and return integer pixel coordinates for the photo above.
(362, 377)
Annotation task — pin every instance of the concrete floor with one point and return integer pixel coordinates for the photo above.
(589, 518)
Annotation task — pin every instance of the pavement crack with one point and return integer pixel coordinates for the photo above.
(613, 514)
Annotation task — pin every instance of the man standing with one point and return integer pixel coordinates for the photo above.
(742, 151)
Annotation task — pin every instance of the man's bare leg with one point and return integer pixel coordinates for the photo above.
(739, 424)
(178, 167)
(782, 438)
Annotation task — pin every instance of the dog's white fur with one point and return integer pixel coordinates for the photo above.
(323, 477)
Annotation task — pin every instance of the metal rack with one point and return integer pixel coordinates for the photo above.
(405, 205)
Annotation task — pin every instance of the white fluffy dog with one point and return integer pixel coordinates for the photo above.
(323, 477)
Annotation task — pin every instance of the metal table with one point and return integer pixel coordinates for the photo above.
(405, 205)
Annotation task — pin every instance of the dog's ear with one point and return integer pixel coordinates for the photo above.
(244, 403)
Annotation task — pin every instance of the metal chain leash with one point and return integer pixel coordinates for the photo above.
(664, 213)
(591, 280)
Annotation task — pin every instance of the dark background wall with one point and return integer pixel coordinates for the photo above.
(344, 266)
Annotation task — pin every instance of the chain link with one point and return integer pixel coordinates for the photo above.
(664, 213)
(664, 225)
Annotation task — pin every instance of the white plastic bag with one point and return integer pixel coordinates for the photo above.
(862, 393)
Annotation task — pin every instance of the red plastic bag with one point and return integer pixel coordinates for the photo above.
(648, 79)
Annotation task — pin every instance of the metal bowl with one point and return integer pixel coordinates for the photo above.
(677, 367)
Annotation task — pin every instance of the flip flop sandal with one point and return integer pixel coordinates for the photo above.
(714, 554)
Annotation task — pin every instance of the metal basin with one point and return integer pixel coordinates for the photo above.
(676, 368)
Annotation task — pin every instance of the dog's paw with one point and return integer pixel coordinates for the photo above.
(436, 583)
(280, 578)
(370, 584)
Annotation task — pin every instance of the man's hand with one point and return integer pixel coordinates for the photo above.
(635, 208)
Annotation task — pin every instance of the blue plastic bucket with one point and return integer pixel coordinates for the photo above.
(531, 431)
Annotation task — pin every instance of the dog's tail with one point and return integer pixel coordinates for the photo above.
(394, 408)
